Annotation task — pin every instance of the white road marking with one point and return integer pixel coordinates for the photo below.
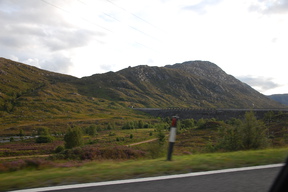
(148, 178)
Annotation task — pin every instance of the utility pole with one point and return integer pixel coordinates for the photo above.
(172, 137)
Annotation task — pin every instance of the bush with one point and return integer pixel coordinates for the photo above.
(91, 130)
(43, 131)
(210, 125)
(128, 125)
(140, 124)
(187, 123)
(73, 138)
(59, 149)
(45, 139)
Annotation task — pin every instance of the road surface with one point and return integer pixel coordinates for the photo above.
(254, 179)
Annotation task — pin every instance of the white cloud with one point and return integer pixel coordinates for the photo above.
(84, 37)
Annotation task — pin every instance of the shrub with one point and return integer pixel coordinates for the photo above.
(129, 125)
(44, 139)
(210, 125)
(43, 131)
(140, 124)
(59, 149)
(146, 125)
(200, 122)
(187, 123)
(91, 130)
(111, 134)
(21, 133)
(231, 139)
(73, 138)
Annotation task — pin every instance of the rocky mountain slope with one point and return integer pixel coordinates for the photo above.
(27, 90)
(197, 84)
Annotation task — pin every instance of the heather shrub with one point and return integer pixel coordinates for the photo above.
(96, 153)
(19, 164)
(12, 165)
(36, 163)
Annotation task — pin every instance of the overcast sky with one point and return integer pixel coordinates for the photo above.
(246, 38)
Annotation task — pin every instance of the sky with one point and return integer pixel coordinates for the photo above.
(247, 38)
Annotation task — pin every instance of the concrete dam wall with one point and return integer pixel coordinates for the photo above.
(220, 114)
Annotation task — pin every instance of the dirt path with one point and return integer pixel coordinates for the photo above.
(147, 141)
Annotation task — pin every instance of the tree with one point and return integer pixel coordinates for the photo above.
(254, 132)
(249, 133)
(73, 138)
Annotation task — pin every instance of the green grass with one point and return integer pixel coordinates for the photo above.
(114, 170)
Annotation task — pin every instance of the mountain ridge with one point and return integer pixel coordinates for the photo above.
(186, 84)
(281, 98)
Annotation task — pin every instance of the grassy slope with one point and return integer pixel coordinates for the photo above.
(31, 98)
(115, 170)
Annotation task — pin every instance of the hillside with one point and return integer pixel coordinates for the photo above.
(31, 94)
(281, 98)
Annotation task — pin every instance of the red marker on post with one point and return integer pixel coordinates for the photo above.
(172, 137)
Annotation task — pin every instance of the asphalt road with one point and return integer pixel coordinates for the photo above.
(238, 180)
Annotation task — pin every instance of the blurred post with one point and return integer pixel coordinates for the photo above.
(172, 137)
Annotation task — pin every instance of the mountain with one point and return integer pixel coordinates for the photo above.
(281, 98)
(28, 93)
(197, 84)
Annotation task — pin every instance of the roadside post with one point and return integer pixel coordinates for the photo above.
(172, 137)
